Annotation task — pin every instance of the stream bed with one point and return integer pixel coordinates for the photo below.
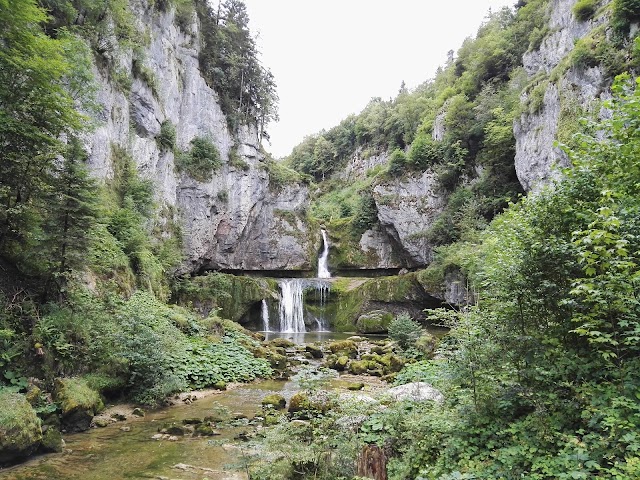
(110, 453)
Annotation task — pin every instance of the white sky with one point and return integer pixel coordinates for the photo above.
(330, 57)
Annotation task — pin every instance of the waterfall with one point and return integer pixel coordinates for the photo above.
(265, 316)
(323, 269)
(292, 310)
(291, 305)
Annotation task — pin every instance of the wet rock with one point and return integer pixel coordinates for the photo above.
(119, 417)
(204, 430)
(78, 403)
(314, 350)
(191, 421)
(174, 429)
(52, 441)
(138, 412)
(20, 430)
(101, 422)
(275, 400)
(416, 392)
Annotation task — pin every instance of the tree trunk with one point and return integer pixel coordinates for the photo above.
(372, 463)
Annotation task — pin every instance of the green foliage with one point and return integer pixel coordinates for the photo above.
(544, 370)
(404, 331)
(584, 54)
(424, 152)
(167, 137)
(585, 9)
(397, 163)
(201, 161)
(366, 214)
(280, 175)
(229, 61)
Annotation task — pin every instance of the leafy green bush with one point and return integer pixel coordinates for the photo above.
(397, 163)
(425, 152)
(585, 9)
(405, 331)
(167, 137)
(584, 54)
(201, 161)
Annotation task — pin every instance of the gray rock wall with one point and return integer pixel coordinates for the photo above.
(537, 160)
(234, 221)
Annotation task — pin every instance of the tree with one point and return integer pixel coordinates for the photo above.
(71, 207)
(35, 111)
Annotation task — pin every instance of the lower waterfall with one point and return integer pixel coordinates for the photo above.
(291, 311)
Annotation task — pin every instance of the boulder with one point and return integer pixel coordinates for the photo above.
(20, 429)
(276, 401)
(376, 321)
(78, 403)
(282, 343)
(344, 347)
(416, 392)
(314, 350)
(52, 441)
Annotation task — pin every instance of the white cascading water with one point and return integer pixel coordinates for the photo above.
(292, 305)
(291, 309)
(265, 316)
(323, 269)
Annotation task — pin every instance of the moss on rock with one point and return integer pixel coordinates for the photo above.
(78, 403)
(20, 428)
(276, 401)
(376, 321)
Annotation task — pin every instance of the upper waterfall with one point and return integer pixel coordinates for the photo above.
(323, 268)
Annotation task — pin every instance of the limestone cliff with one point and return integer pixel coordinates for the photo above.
(565, 90)
(234, 221)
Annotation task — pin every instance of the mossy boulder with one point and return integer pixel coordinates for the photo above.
(78, 403)
(314, 350)
(276, 401)
(426, 344)
(220, 385)
(204, 430)
(20, 428)
(307, 405)
(51, 441)
(282, 343)
(347, 348)
(355, 386)
(376, 321)
(359, 367)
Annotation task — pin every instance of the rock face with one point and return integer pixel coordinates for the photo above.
(537, 160)
(406, 210)
(416, 392)
(233, 221)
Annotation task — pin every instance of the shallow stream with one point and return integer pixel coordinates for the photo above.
(110, 453)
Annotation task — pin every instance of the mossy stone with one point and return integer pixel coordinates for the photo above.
(204, 430)
(282, 343)
(220, 385)
(314, 350)
(376, 321)
(20, 428)
(341, 363)
(276, 401)
(347, 348)
(355, 386)
(359, 367)
(51, 441)
(78, 403)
